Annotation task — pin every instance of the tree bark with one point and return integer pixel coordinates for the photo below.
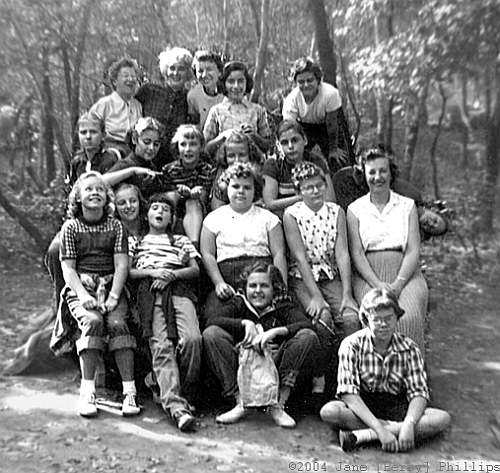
(260, 62)
(488, 194)
(432, 152)
(47, 134)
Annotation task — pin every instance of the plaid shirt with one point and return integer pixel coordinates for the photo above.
(175, 173)
(227, 115)
(401, 370)
(166, 105)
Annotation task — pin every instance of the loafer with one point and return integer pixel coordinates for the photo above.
(185, 420)
(281, 418)
(237, 413)
(347, 440)
(130, 406)
(87, 406)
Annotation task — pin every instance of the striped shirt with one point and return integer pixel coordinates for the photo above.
(157, 251)
(400, 371)
(93, 246)
(176, 173)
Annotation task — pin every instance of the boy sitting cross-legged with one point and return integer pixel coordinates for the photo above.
(166, 303)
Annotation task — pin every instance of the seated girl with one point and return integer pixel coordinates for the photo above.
(285, 330)
(238, 148)
(138, 167)
(382, 384)
(236, 111)
(278, 191)
(320, 270)
(167, 263)
(239, 233)
(94, 262)
(188, 179)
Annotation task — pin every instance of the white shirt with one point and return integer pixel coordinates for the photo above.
(237, 234)
(118, 115)
(386, 230)
(327, 100)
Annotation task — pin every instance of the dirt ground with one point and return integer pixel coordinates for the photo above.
(39, 430)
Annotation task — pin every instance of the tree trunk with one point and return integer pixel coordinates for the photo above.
(414, 116)
(432, 152)
(324, 41)
(260, 62)
(488, 194)
(47, 130)
(74, 103)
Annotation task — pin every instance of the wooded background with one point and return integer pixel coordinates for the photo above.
(403, 67)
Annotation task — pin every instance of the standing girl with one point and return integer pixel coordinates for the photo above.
(94, 261)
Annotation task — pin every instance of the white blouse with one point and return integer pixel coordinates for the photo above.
(239, 234)
(386, 230)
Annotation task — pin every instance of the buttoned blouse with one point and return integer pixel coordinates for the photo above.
(241, 234)
(319, 233)
(228, 115)
(119, 116)
(386, 230)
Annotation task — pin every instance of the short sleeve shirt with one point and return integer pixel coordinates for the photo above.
(238, 234)
(327, 100)
(281, 171)
(319, 233)
(158, 251)
(93, 246)
(176, 173)
(228, 115)
(399, 371)
(386, 230)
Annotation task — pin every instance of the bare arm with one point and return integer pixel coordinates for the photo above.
(72, 279)
(270, 195)
(358, 252)
(415, 411)
(277, 248)
(209, 252)
(330, 191)
(298, 253)
(411, 255)
(357, 405)
(115, 177)
(120, 275)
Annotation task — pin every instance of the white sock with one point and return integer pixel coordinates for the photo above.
(87, 386)
(129, 387)
(365, 435)
(318, 385)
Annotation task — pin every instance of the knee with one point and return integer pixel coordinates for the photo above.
(211, 334)
(192, 341)
(439, 418)
(306, 336)
(331, 412)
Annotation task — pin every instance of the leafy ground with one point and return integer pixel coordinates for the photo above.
(39, 430)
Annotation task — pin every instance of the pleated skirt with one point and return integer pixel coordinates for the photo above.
(413, 298)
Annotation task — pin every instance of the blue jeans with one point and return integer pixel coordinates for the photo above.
(171, 364)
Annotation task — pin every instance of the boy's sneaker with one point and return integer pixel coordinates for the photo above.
(185, 420)
(86, 405)
(347, 440)
(130, 406)
(234, 415)
(281, 418)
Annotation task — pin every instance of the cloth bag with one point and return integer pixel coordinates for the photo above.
(257, 377)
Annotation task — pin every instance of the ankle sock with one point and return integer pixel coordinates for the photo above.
(87, 386)
(129, 387)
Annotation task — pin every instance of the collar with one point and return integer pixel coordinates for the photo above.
(398, 343)
(226, 102)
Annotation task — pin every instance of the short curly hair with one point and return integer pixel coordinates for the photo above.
(377, 299)
(74, 199)
(272, 271)
(118, 65)
(306, 170)
(240, 171)
(236, 66)
(175, 54)
(306, 64)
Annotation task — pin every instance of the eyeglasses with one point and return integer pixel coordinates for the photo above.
(310, 188)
